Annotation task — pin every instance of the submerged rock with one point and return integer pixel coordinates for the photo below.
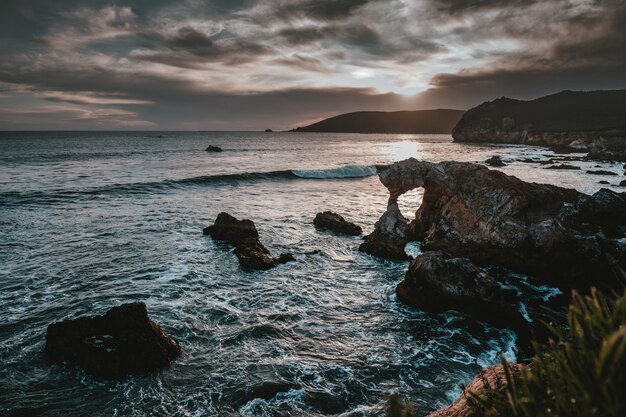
(601, 172)
(212, 148)
(492, 218)
(336, 223)
(243, 235)
(495, 161)
(564, 166)
(437, 283)
(122, 341)
(493, 375)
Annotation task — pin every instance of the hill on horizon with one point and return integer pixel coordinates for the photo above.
(438, 121)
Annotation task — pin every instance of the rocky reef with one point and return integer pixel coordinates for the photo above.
(593, 122)
(242, 234)
(437, 283)
(122, 341)
(335, 222)
(569, 239)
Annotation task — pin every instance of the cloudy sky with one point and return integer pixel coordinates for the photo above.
(253, 64)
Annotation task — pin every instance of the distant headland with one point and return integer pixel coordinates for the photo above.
(420, 121)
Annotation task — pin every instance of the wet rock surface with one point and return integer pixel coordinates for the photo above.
(122, 341)
(495, 161)
(242, 234)
(493, 375)
(389, 237)
(212, 148)
(437, 283)
(336, 223)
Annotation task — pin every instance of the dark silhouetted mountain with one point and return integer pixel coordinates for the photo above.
(419, 121)
(577, 119)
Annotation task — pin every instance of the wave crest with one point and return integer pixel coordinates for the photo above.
(348, 171)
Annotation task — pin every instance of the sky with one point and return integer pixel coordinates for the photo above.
(279, 64)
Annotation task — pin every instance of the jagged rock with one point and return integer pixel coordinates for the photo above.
(563, 166)
(608, 149)
(601, 172)
(212, 148)
(243, 235)
(122, 341)
(491, 218)
(437, 283)
(389, 237)
(622, 183)
(336, 223)
(604, 182)
(495, 161)
(494, 376)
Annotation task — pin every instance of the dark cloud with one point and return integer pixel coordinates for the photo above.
(229, 64)
(464, 6)
(191, 48)
(325, 10)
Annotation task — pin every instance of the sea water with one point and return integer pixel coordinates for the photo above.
(91, 220)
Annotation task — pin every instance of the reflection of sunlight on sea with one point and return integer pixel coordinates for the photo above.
(403, 150)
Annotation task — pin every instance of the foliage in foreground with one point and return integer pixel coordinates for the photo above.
(583, 374)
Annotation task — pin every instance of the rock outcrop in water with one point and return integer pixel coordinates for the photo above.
(122, 341)
(437, 283)
(492, 218)
(582, 121)
(336, 223)
(213, 148)
(389, 237)
(242, 234)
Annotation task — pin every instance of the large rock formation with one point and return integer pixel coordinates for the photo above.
(243, 235)
(582, 121)
(336, 223)
(493, 376)
(492, 218)
(436, 283)
(122, 341)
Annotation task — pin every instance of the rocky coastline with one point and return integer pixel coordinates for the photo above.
(570, 121)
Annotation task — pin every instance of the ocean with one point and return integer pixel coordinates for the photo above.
(90, 220)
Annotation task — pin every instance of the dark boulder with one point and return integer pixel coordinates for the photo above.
(336, 223)
(601, 172)
(622, 183)
(564, 166)
(122, 341)
(495, 161)
(230, 229)
(212, 148)
(437, 283)
(268, 130)
(243, 235)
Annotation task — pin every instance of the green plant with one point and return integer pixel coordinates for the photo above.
(583, 374)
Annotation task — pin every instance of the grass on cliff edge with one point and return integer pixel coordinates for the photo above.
(583, 374)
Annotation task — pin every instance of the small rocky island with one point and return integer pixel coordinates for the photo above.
(591, 121)
(122, 341)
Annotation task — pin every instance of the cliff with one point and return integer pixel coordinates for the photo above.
(570, 118)
(420, 121)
